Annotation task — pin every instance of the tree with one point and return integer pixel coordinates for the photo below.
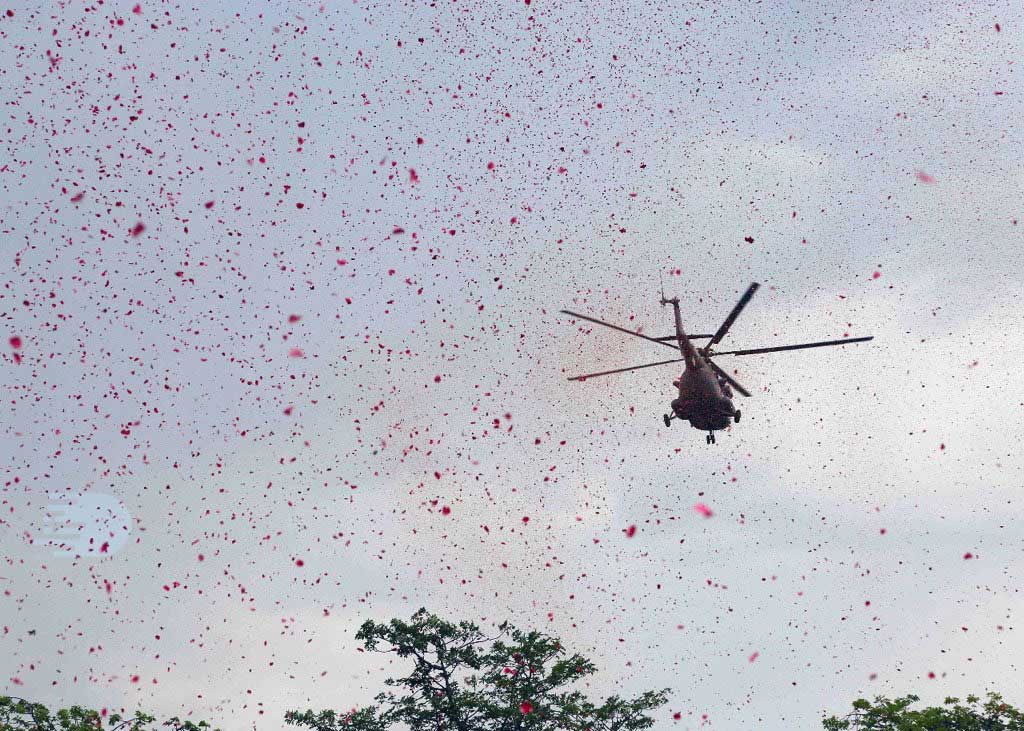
(895, 715)
(18, 714)
(462, 680)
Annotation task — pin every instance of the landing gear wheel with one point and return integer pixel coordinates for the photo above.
(668, 419)
(708, 439)
(736, 417)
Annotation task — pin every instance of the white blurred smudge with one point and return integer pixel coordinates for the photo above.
(92, 524)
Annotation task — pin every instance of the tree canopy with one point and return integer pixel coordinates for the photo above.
(460, 680)
(18, 714)
(883, 714)
(463, 680)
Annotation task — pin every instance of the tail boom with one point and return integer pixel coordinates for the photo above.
(686, 348)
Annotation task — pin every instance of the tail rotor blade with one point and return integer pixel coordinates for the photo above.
(731, 381)
(734, 314)
(624, 370)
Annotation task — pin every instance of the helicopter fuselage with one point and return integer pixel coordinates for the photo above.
(702, 400)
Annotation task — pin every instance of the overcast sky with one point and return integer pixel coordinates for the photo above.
(282, 282)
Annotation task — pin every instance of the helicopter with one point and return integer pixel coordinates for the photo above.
(705, 389)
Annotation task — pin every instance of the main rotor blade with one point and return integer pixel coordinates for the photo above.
(620, 329)
(623, 370)
(801, 346)
(691, 337)
(732, 381)
(734, 314)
